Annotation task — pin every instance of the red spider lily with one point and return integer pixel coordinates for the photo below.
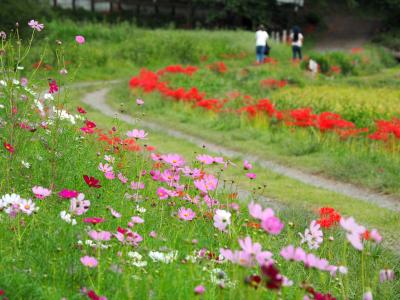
(218, 67)
(336, 70)
(189, 70)
(8, 147)
(328, 217)
(150, 148)
(81, 110)
(385, 129)
(210, 104)
(91, 181)
(273, 83)
(93, 220)
(53, 87)
(270, 60)
(274, 278)
(356, 50)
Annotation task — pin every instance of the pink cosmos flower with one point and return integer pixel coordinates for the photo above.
(199, 290)
(354, 232)
(291, 253)
(313, 235)
(162, 193)
(41, 192)
(137, 134)
(139, 101)
(272, 225)
(210, 201)
(153, 234)
(122, 178)
(247, 165)
(109, 175)
(137, 220)
(257, 212)
(35, 25)
(375, 236)
(89, 261)
(67, 194)
(367, 296)
(114, 213)
(100, 235)
(78, 204)
(174, 160)
(255, 251)
(105, 168)
(386, 275)
(137, 185)
(24, 81)
(208, 183)
(222, 219)
(205, 159)
(237, 257)
(80, 39)
(186, 214)
(251, 175)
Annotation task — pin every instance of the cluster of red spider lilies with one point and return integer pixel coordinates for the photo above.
(149, 81)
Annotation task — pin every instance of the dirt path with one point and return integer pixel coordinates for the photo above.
(97, 100)
(346, 32)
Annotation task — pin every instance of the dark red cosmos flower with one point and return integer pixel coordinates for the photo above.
(91, 181)
(253, 280)
(92, 295)
(319, 296)
(274, 278)
(90, 124)
(8, 147)
(94, 220)
(53, 87)
(81, 110)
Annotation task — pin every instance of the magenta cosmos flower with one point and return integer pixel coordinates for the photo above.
(89, 261)
(138, 134)
(67, 194)
(186, 214)
(94, 220)
(41, 192)
(199, 290)
(251, 175)
(80, 39)
(247, 165)
(272, 225)
(35, 25)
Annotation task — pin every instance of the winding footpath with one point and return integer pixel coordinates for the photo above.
(97, 100)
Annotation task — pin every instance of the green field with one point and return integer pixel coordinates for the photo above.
(41, 253)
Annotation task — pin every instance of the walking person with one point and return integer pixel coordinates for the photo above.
(261, 41)
(297, 42)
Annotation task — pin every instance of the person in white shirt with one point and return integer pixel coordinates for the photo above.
(261, 41)
(297, 42)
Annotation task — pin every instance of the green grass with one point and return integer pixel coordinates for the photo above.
(40, 254)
